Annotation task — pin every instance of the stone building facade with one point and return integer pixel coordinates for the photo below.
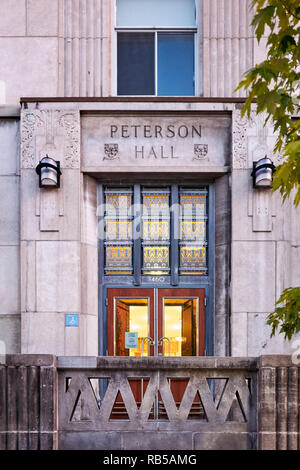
(59, 97)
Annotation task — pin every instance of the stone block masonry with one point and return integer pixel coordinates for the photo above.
(279, 400)
(28, 403)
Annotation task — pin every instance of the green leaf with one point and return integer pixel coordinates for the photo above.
(292, 147)
(266, 72)
(286, 314)
(263, 18)
(286, 42)
(268, 101)
(278, 64)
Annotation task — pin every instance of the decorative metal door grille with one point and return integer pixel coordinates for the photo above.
(193, 231)
(150, 223)
(118, 231)
(156, 231)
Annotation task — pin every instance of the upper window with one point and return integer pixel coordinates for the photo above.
(155, 47)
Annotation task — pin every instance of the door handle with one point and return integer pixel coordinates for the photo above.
(160, 342)
(151, 343)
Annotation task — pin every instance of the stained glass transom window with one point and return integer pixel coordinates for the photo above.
(186, 245)
(193, 231)
(156, 231)
(118, 241)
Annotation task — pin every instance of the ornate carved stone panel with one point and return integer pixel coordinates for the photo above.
(239, 140)
(31, 123)
(252, 139)
(52, 132)
(69, 125)
(55, 133)
(261, 139)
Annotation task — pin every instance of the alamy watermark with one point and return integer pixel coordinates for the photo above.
(109, 215)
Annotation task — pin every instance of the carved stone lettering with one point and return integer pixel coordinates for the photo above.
(155, 131)
(155, 153)
(138, 141)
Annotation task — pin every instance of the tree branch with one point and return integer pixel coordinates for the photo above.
(289, 11)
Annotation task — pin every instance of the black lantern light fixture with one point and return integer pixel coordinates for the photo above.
(49, 173)
(262, 173)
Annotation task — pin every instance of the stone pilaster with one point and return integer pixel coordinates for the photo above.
(28, 403)
(50, 233)
(278, 402)
(260, 242)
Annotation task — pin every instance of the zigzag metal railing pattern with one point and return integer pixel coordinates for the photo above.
(238, 392)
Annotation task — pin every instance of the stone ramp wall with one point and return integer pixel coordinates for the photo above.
(162, 418)
(39, 395)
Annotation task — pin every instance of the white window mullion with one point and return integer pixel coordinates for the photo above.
(115, 62)
(156, 61)
(198, 53)
(196, 65)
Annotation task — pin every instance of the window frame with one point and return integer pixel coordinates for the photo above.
(137, 273)
(176, 282)
(142, 29)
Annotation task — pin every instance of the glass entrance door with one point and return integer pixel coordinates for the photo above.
(150, 322)
(147, 322)
(181, 322)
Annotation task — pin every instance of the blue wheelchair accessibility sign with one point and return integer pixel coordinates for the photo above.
(72, 319)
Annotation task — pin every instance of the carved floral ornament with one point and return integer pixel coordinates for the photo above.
(41, 129)
(71, 124)
(239, 139)
(30, 122)
(243, 131)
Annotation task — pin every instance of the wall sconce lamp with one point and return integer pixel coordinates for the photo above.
(262, 173)
(49, 173)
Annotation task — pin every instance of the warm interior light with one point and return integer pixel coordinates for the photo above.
(180, 339)
(180, 326)
(157, 273)
(173, 326)
(138, 322)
